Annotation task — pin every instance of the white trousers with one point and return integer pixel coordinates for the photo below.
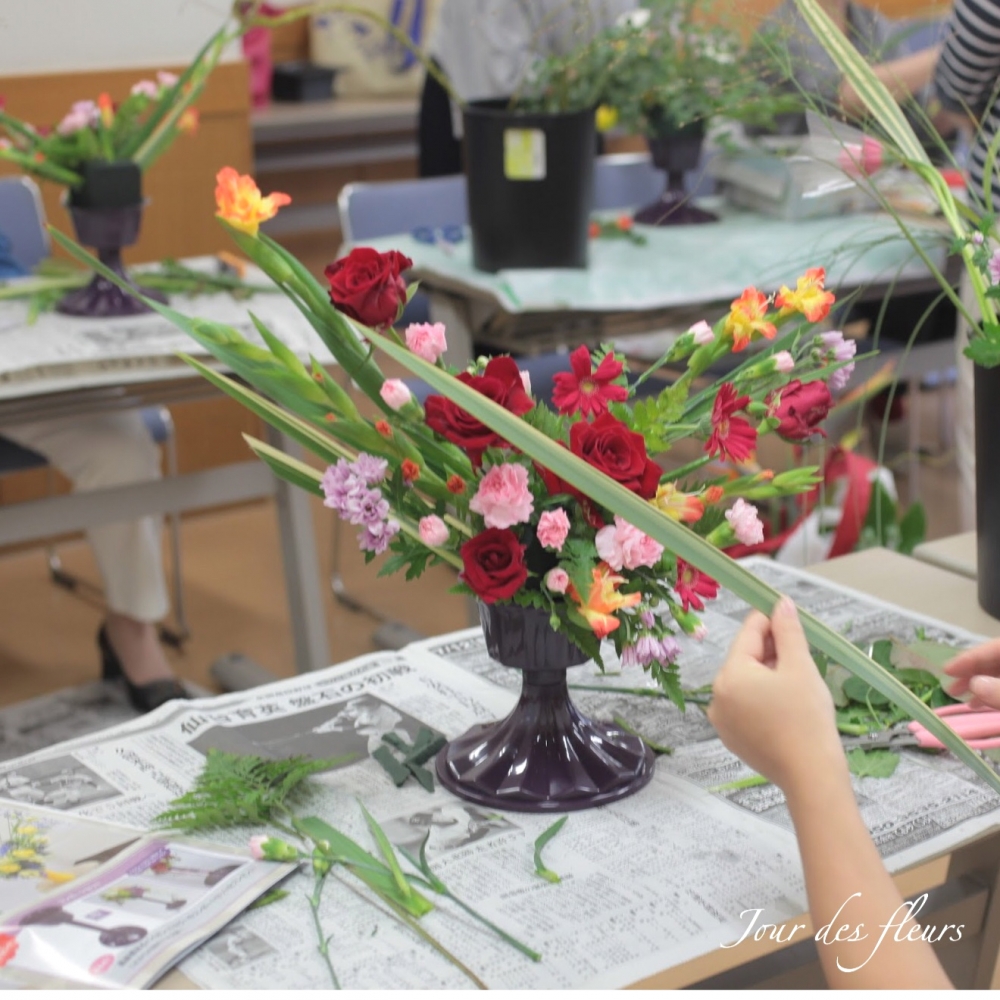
(98, 452)
(965, 413)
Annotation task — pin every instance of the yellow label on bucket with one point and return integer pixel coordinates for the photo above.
(524, 154)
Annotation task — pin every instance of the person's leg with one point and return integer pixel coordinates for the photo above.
(440, 151)
(99, 452)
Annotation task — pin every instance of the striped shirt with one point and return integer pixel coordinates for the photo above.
(967, 79)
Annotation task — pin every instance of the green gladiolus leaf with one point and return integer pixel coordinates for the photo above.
(543, 838)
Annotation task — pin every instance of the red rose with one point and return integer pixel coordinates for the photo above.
(367, 285)
(494, 564)
(609, 446)
(500, 382)
(800, 407)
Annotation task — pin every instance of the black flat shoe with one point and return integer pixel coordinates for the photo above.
(144, 697)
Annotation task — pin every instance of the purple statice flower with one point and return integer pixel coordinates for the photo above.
(994, 267)
(376, 537)
(647, 649)
(369, 468)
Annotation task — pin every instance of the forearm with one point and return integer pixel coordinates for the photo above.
(849, 887)
(902, 77)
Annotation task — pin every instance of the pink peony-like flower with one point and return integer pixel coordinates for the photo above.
(553, 527)
(166, 79)
(147, 88)
(746, 525)
(557, 580)
(394, 393)
(433, 531)
(783, 362)
(503, 497)
(703, 333)
(426, 340)
(623, 546)
(257, 847)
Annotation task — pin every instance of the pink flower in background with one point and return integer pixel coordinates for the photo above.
(426, 340)
(257, 847)
(82, 114)
(557, 580)
(700, 632)
(503, 497)
(703, 333)
(783, 362)
(978, 239)
(747, 526)
(553, 527)
(622, 545)
(166, 79)
(147, 88)
(433, 531)
(394, 393)
(861, 160)
(994, 266)
(839, 346)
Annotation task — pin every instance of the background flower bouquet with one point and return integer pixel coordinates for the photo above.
(559, 512)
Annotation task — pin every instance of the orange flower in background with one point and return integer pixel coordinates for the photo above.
(456, 484)
(603, 599)
(714, 494)
(188, 122)
(241, 204)
(411, 471)
(809, 298)
(747, 316)
(677, 504)
(107, 109)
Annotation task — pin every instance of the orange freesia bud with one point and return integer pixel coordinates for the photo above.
(603, 599)
(748, 316)
(188, 121)
(456, 484)
(382, 426)
(410, 470)
(766, 475)
(714, 494)
(329, 417)
(594, 230)
(809, 298)
(625, 223)
(241, 204)
(107, 109)
(678, 505)
(318, 376)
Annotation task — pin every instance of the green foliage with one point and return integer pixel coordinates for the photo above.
(543, 838)
(872, 763)
(269, 897)
(236, 790)
(884, 527)
(652, 418)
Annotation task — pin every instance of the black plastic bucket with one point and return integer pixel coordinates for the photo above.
(530, 186)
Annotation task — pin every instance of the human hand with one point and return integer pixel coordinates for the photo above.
(770, 705)
(977, 671)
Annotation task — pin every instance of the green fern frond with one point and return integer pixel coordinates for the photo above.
(236, 790)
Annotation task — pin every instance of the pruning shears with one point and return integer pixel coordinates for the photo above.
(979, 727)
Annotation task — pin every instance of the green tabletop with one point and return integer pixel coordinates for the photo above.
(687, 265)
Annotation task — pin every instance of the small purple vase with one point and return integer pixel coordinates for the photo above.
(107, 229)
(545, 756)
(675, 151)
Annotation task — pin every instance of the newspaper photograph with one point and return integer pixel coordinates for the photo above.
(646, 883)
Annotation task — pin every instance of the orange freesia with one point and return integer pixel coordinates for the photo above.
(748, 315)
(714, 494)
(241, 204)
(107, 109)
(188, 121)
(677, 504)
(809, 298)
(603, 599)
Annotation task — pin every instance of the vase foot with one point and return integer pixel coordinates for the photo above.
(102, 298)
(518, 765)
(673, 209)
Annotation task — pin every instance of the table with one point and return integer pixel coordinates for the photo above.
(964, 882)
(956, 554)
(683, 273)
(137, 368)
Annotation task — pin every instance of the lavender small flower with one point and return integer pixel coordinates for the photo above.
(642, 653)
(978, 239)
(371, 469)
(994, 267)
(840, 347)
(838, 380)
(377, 536)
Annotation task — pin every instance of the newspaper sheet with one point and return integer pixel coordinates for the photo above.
(94, 904)
(647, 883)
(56, 345)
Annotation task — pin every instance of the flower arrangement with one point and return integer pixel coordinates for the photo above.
(626, 551)
(23, 850)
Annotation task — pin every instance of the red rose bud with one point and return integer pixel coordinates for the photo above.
(411, 471)
(494, 567)
(799, 409)
(383, 428)
(368, 286)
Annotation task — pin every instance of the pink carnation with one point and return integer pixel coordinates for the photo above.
(700, 632)
(166, 79)
(703, 333)
(503, 497)
(557, 580)
(553, 527)
(147, 88)
(394, 393)
(426, 340)
(257, 847)
(746, 525)
(783, 362)
(623, 546)
(433, 531)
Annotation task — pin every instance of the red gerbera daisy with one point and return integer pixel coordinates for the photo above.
(586, 391)
(732, 437)
(692, 585)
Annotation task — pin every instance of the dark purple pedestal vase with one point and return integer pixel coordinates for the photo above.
(545, 756)
(675, 152)
(987, 392)
(107, 230)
